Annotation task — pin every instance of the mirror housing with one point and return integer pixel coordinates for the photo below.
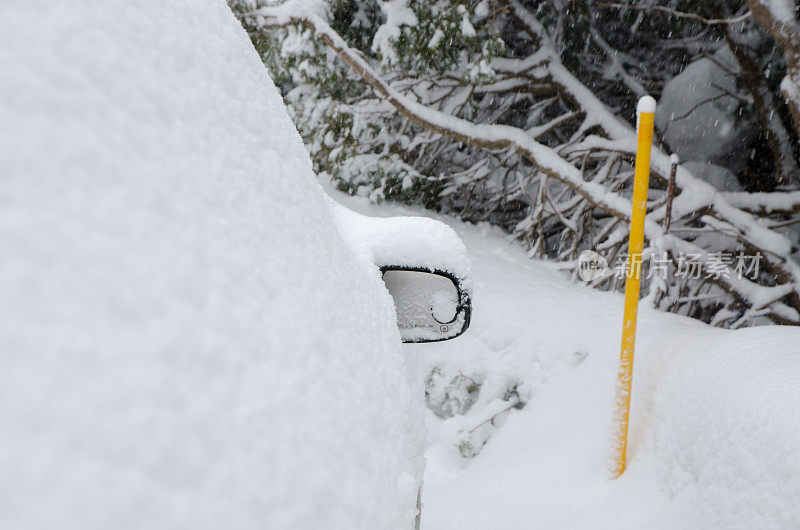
(416, 245)
(431, 305)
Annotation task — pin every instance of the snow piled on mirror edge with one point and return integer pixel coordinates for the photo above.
(185, 340)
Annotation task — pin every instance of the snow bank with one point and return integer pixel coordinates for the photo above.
(185, 340)
(726, 440)
(695, 115)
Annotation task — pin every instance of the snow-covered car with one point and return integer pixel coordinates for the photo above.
(192, 334)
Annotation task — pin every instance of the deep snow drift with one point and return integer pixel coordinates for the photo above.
(185, 340)
(715, 413)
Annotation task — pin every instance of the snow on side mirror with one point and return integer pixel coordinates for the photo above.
(430, 305)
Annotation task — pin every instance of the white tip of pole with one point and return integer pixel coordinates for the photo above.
(674, 159)
(646, 104)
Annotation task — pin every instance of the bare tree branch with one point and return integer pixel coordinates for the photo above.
(679, 14)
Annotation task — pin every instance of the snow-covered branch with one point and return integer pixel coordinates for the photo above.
(568, 176)
(675, 13)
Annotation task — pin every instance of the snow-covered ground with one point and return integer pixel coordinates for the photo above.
(715, 413)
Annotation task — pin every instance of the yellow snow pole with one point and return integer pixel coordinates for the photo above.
(645, 111)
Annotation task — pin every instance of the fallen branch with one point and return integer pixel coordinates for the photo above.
(696, 196)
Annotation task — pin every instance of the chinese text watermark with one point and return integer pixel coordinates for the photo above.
(696, 266)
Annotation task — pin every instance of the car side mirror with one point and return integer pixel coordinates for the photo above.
(430, 305)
